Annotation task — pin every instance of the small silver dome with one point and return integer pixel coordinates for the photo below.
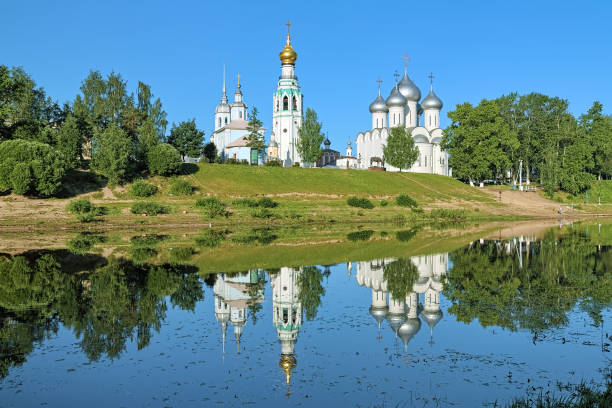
(396, 321)
(272, 143)
(222, 317)
(409, 329)
(223, 108)
(379, 105)
(379, 313)
(408, 89)
(396, 98)
(431, 101)
(431, 317)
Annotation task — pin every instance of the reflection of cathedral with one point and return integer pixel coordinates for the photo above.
(231, 297)
(404, 315)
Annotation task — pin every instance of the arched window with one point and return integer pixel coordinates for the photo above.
(285, 103)
(294, 103)
(430, 120)
(240, 114)
(277, 105)
(226, 121)
(219, 121)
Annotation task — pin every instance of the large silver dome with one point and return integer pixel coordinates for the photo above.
(223, 108)
(396, 321)
(408, 329)
(432, 101)
(396, 98)
(431, 317)
(379, 105)
(408, 89)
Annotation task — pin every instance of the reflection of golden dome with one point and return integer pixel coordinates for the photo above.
(288, 54)
(287, 363)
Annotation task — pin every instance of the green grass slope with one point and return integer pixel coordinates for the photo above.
(241, 180)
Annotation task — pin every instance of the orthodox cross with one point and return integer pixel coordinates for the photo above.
(379, 82)
(238, 80)
(396, 75)
(288, 24)
(431, 77)
(406, 58)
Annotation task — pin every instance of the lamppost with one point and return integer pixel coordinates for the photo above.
(520, 175)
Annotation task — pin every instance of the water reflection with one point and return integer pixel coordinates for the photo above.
(402, 306)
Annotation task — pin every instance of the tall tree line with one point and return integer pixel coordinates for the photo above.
(488, 141)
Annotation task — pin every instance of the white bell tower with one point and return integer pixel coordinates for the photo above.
(288, 103)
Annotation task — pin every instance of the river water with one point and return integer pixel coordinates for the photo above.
(487, 322)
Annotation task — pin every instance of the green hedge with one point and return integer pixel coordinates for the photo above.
(360, 202)
(148, 208)
(141, 188)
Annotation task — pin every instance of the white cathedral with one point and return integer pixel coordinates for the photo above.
(402, 108)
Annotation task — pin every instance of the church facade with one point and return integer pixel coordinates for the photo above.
(421, 120)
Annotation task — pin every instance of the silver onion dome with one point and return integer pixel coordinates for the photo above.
(408, 89)
(223, 108)
(431, 317)
(408, 329)
(379, 105)
(379, 313)
(431, 101)
(396, 321)
(396, 98)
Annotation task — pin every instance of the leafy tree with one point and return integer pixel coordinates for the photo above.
(400, 276)
(111, 154)
(311, 290)
(21, 178)
(164, 160)
(479, 142)
(210, 152)
(46, 166)
(255, 138)
(598, 130)
(310, 138)
(186, 138)
(69, 142)
(400, 150)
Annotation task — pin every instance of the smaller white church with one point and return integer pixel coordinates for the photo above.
(421, 120)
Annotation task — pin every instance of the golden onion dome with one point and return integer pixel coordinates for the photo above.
(287, 363)
(288, 54)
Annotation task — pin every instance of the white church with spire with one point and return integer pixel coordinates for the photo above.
(421, 118)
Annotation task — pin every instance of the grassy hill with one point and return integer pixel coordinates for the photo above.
(241, 180)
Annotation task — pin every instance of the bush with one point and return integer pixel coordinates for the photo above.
(148, 208)
(80, 206)
(45, 166)
(274, 163)
(181, 187)
(262, 213)
(404, 200)
(244, 161)
(296, 164)
(180, 255)
(141, 188)
(406, 236)
(164, 159)
(266, 202)
(112, 154)
(210, 238)
(360, 202)
(363, 235)
(21, 178)
(83, 243)
(383, 203)
(212, 207)
(446, 215)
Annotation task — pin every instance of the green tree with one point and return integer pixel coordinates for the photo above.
(70, 142)
(598, 129)
(400, 150)
(311, 290)
(210, 152)
(310, 138)
(186, 138)
(111, 154)
(46, 166)
(400, 276)
(479, 142)
(255, 138)
(164, 160)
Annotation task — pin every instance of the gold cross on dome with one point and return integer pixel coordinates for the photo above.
(288, 24)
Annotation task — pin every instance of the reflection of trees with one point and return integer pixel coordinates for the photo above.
(400, 276)
(255, 292)
(105, 307)
(532, 289)
(311, 290)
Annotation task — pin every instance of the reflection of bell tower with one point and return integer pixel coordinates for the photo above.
(222, 313)
(286, 315)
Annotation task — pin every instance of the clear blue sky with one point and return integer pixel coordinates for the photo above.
(476, 50)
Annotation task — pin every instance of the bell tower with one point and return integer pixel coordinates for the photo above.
(288, 102)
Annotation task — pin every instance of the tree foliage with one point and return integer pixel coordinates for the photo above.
(311, 290)
(255, 137)
(164, 160)
(310, 138)
(111, 154)
(186, 138)
(400, 150)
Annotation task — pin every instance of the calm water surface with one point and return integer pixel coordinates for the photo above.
(490, 321)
